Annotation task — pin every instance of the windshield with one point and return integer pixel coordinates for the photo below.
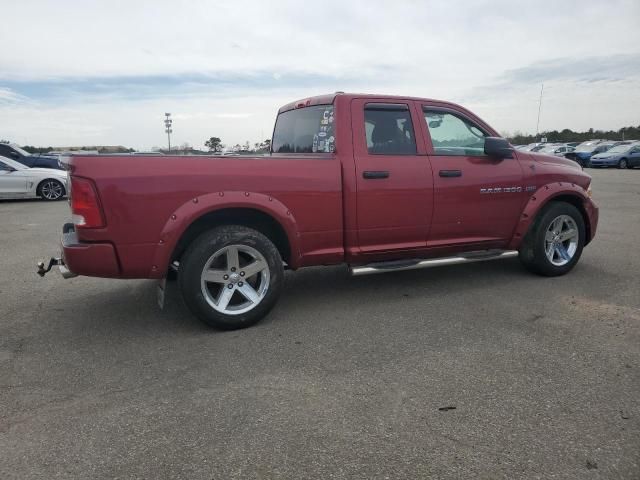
(587, 147)
(551, 148)
(21, 151)
(305, 130)
(620, 149)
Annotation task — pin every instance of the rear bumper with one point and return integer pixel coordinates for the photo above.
(90, 259)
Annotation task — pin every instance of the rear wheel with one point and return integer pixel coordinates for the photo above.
(231, 277)
(554, 243)
(623, 163)
(51, 190)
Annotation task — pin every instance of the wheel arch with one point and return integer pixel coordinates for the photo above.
(261, 212)
(556, 192)
(247, 217)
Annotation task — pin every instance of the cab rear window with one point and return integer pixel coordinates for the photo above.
(305, 130)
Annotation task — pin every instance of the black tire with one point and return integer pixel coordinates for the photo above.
(198, 254)
(623, 163)
(47, 187)
(532, 251)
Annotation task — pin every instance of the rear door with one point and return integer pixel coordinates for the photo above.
(394, 182)
(477, 198)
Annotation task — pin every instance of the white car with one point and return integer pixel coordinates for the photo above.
(18, 181)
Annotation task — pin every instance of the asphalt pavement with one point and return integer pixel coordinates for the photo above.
(469, 371)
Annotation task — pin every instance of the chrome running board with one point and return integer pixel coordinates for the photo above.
(400, 265)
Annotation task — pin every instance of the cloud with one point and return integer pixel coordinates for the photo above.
(571, 73)
(609, 68)
(10, 97)
(189, 84)
(118, 66)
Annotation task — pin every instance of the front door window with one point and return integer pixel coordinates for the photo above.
(453, 135)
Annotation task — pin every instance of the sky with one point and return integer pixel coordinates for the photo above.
(91, 72)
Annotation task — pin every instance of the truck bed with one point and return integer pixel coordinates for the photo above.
(148, 201)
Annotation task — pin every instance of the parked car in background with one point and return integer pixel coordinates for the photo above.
(583, 152)
(17, 180)
(14, 152)
(146, 153)
(622, 156)
(557, 149)
(532, 147)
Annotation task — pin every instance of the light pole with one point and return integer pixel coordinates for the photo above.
(539, 108)
(168, 129)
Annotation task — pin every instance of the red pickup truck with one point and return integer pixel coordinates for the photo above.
(381, 183)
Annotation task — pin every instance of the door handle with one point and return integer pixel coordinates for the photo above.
(375, 174)
(450, 173)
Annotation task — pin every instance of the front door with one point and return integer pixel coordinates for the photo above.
(634, 157)
(477, 198)
(12, 181)
(393, 176)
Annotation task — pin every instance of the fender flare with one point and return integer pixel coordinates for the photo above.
(180, 220)
(542, 196)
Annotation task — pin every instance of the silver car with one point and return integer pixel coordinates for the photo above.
(19, 181)
(557, 149)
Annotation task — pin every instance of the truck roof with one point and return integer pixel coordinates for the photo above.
(330, 97)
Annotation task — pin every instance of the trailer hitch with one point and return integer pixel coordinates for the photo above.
(53, 262)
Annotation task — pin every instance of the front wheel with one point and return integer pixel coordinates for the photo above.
(231, 277)
(555, 241)
(623, 163)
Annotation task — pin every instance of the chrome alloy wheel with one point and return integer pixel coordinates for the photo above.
(51, 190)
(235, 279)
(561, 240)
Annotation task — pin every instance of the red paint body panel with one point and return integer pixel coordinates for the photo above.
(141, 195)
(329, 213)
(392, 213)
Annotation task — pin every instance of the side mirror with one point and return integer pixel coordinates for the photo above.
(497, 147)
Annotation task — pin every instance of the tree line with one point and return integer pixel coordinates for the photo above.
(568, 135)
(31, 149)
(214, 144)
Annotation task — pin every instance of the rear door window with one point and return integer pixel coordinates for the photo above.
(388, 129)
(305, 130)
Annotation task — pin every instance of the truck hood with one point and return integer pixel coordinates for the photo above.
(553, 160)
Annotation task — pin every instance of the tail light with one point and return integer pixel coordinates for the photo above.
(85, 206)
